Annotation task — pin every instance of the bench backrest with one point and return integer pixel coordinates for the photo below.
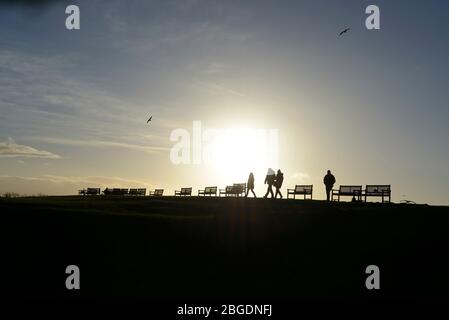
(186, 190)
(210, 190)
(303, 189)
(350, 190)
(93, 191)
(379, 189)
(118, 191)
(158, 192)
(239, 187)
(139, 192)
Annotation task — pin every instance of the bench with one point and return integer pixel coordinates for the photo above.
(300, 190)
(137, 192)
(208, 191)
(352, 191)
(115, 192)
(157, 193)
(238, 189)
(227, 191)
(184, 192)
(380, 190)
(90, 191)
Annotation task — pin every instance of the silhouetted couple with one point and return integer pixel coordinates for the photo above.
(275, 180)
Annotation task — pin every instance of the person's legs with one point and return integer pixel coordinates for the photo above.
(328, 193)
(270, 187)
(252, 190)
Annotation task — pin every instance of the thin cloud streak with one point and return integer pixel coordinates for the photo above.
(300, 176)
(10, 149)
(102, 144)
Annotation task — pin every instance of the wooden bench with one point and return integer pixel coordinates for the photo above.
(239, 189)
(115, 192)
(209, 191)
(301, 189)
(184, 192)
(90, 191)
(351, 191)
(227, 191)
(379, 190)
(137, 192)
(157, 193)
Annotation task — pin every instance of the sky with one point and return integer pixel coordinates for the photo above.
(372, 105)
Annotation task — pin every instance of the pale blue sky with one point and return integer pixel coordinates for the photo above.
(371, 105)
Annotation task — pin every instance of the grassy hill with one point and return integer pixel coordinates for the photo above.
(221, 248)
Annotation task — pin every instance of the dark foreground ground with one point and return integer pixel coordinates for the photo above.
(221, 248)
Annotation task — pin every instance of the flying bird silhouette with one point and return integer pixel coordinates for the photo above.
(150, 119)
(344, 31)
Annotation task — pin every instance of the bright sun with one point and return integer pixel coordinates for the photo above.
(236, 152)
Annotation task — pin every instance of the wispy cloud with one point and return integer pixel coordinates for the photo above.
(300, 176)
(214, 68)
(102, 144)
(10, 149)
(28, 3)
(214, 88)
(100, 181)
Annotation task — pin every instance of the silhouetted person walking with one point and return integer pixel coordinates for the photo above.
(250, 185)
(278, 183)
(329, 181)
(269, 179)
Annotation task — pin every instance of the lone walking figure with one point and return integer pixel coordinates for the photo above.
(250, 185)
(329, 181)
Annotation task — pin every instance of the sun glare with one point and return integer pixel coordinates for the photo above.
(237, 152)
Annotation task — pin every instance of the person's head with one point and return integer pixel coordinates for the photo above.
(279, 171)
(328, 172)
(251, 175)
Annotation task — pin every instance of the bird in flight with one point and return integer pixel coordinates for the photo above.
(150, 119)
(344, 31)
